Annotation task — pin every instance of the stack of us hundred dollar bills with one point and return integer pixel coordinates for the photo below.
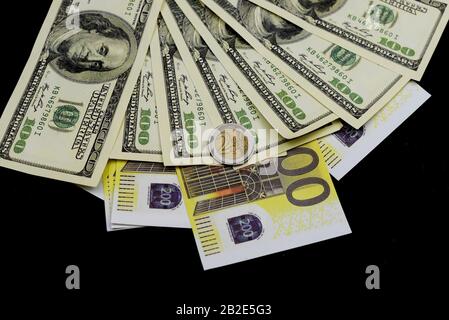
(224, 116)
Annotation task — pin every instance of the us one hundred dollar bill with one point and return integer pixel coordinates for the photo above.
(139, 138)
(344, 149)
(66, 111)
(228, 98)
(291, 110)
(352, 87)
(184, 118)
(237, 215)
(401, 35)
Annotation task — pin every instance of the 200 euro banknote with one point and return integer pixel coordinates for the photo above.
(274, 206)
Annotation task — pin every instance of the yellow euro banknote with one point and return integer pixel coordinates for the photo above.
(277, 205)
(147, 194)
(108, 183)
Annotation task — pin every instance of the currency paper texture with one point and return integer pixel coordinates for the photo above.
(183, 117)
(66, 111)
(344, 149)
(401, 35)
(352, 87)
(279, 100)
(148, 194)
(235, 106)
(281, 204)
(108, 183)
(139, 139)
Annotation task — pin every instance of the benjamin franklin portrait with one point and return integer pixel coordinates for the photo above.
(91, 47)
(168, 45)
(220, 30)
(194, 39)
(266, 25)
(311, 8)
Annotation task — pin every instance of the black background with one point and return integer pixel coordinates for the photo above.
(394, 201)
